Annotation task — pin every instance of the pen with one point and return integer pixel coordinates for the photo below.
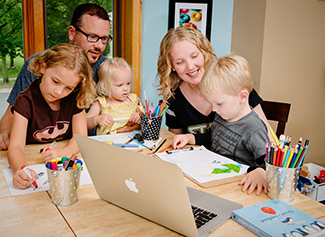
(165, 148)
(120, 119)
(162, 143)
(47, 148)
(138, 136)
(70, 163)
(177, 150)
(27, 171)
(126, 145)
(138, 142)
(157, 142)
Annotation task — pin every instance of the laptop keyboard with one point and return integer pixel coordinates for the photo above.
(202, 216)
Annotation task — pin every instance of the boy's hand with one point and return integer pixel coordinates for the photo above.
(179, 141)
(255, 179)
(21, 179)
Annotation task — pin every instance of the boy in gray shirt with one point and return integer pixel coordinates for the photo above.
(237, 132)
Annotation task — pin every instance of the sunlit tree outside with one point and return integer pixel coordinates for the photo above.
(11, 42)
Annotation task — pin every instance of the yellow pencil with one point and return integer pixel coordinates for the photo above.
(274, 136)
(292, 151)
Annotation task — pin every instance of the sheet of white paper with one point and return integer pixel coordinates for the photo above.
(121, 138)
(203, 165)
(42, 177)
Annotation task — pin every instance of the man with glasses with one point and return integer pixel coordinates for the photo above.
(89, 29)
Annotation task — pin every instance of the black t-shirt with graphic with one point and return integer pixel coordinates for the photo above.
(44, 124)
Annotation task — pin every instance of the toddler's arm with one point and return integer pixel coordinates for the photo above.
(180, 140)
(94, 117)
(256, 179)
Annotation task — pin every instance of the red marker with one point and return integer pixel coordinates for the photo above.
(24, 168)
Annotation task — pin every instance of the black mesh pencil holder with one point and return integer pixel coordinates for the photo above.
(150, 127)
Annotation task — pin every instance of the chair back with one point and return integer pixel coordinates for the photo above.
(277, 111)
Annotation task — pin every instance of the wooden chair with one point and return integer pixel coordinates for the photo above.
(277, 111)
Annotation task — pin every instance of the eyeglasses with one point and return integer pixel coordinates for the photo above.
(95, 38)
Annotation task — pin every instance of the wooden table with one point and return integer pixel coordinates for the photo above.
(34, 214)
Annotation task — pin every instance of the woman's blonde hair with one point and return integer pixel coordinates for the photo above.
(71, 57)
(168, 79)
(229, 74)
(105, 74)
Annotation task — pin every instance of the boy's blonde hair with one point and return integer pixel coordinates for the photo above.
(105, 73)
(229, 74)
(169, 80)
(71, 57)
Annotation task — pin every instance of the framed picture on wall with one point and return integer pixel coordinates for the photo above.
(193, 13)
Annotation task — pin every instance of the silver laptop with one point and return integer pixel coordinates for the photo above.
(151, 188)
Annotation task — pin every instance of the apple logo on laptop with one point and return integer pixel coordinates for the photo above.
(131, 185)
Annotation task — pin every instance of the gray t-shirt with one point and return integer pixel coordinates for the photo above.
(25, 78)
(242, 140)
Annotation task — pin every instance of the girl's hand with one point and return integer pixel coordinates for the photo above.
(255, 179)
(134, 119)
(104, 120)
(21, 179)
(51, 153)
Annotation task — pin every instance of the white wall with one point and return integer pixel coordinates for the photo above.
(293, 68)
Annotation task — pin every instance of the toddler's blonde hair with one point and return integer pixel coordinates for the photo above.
(105, 74)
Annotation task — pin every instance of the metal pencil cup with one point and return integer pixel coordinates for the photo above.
(64, 186)
(150, 127)
(282, 182)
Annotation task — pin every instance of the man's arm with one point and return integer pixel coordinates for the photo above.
(23, 80)
(5, 128)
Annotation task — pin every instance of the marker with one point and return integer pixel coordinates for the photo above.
(47, 148)
(177, 150)
(27, 171)
(120, 119)
(166, 148)
(60, 166)
(54, 165)
(138, 142)
(70, 163)
(126, 145)
(157, 142)
(162, 143)
(138, 136)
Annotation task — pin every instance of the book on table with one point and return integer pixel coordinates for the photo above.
(277, 218)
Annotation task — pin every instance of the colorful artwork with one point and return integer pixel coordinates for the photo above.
(191, 17)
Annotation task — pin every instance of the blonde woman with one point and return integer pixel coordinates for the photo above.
(184, 55)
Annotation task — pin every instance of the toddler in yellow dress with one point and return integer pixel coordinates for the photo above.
(115, 110)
